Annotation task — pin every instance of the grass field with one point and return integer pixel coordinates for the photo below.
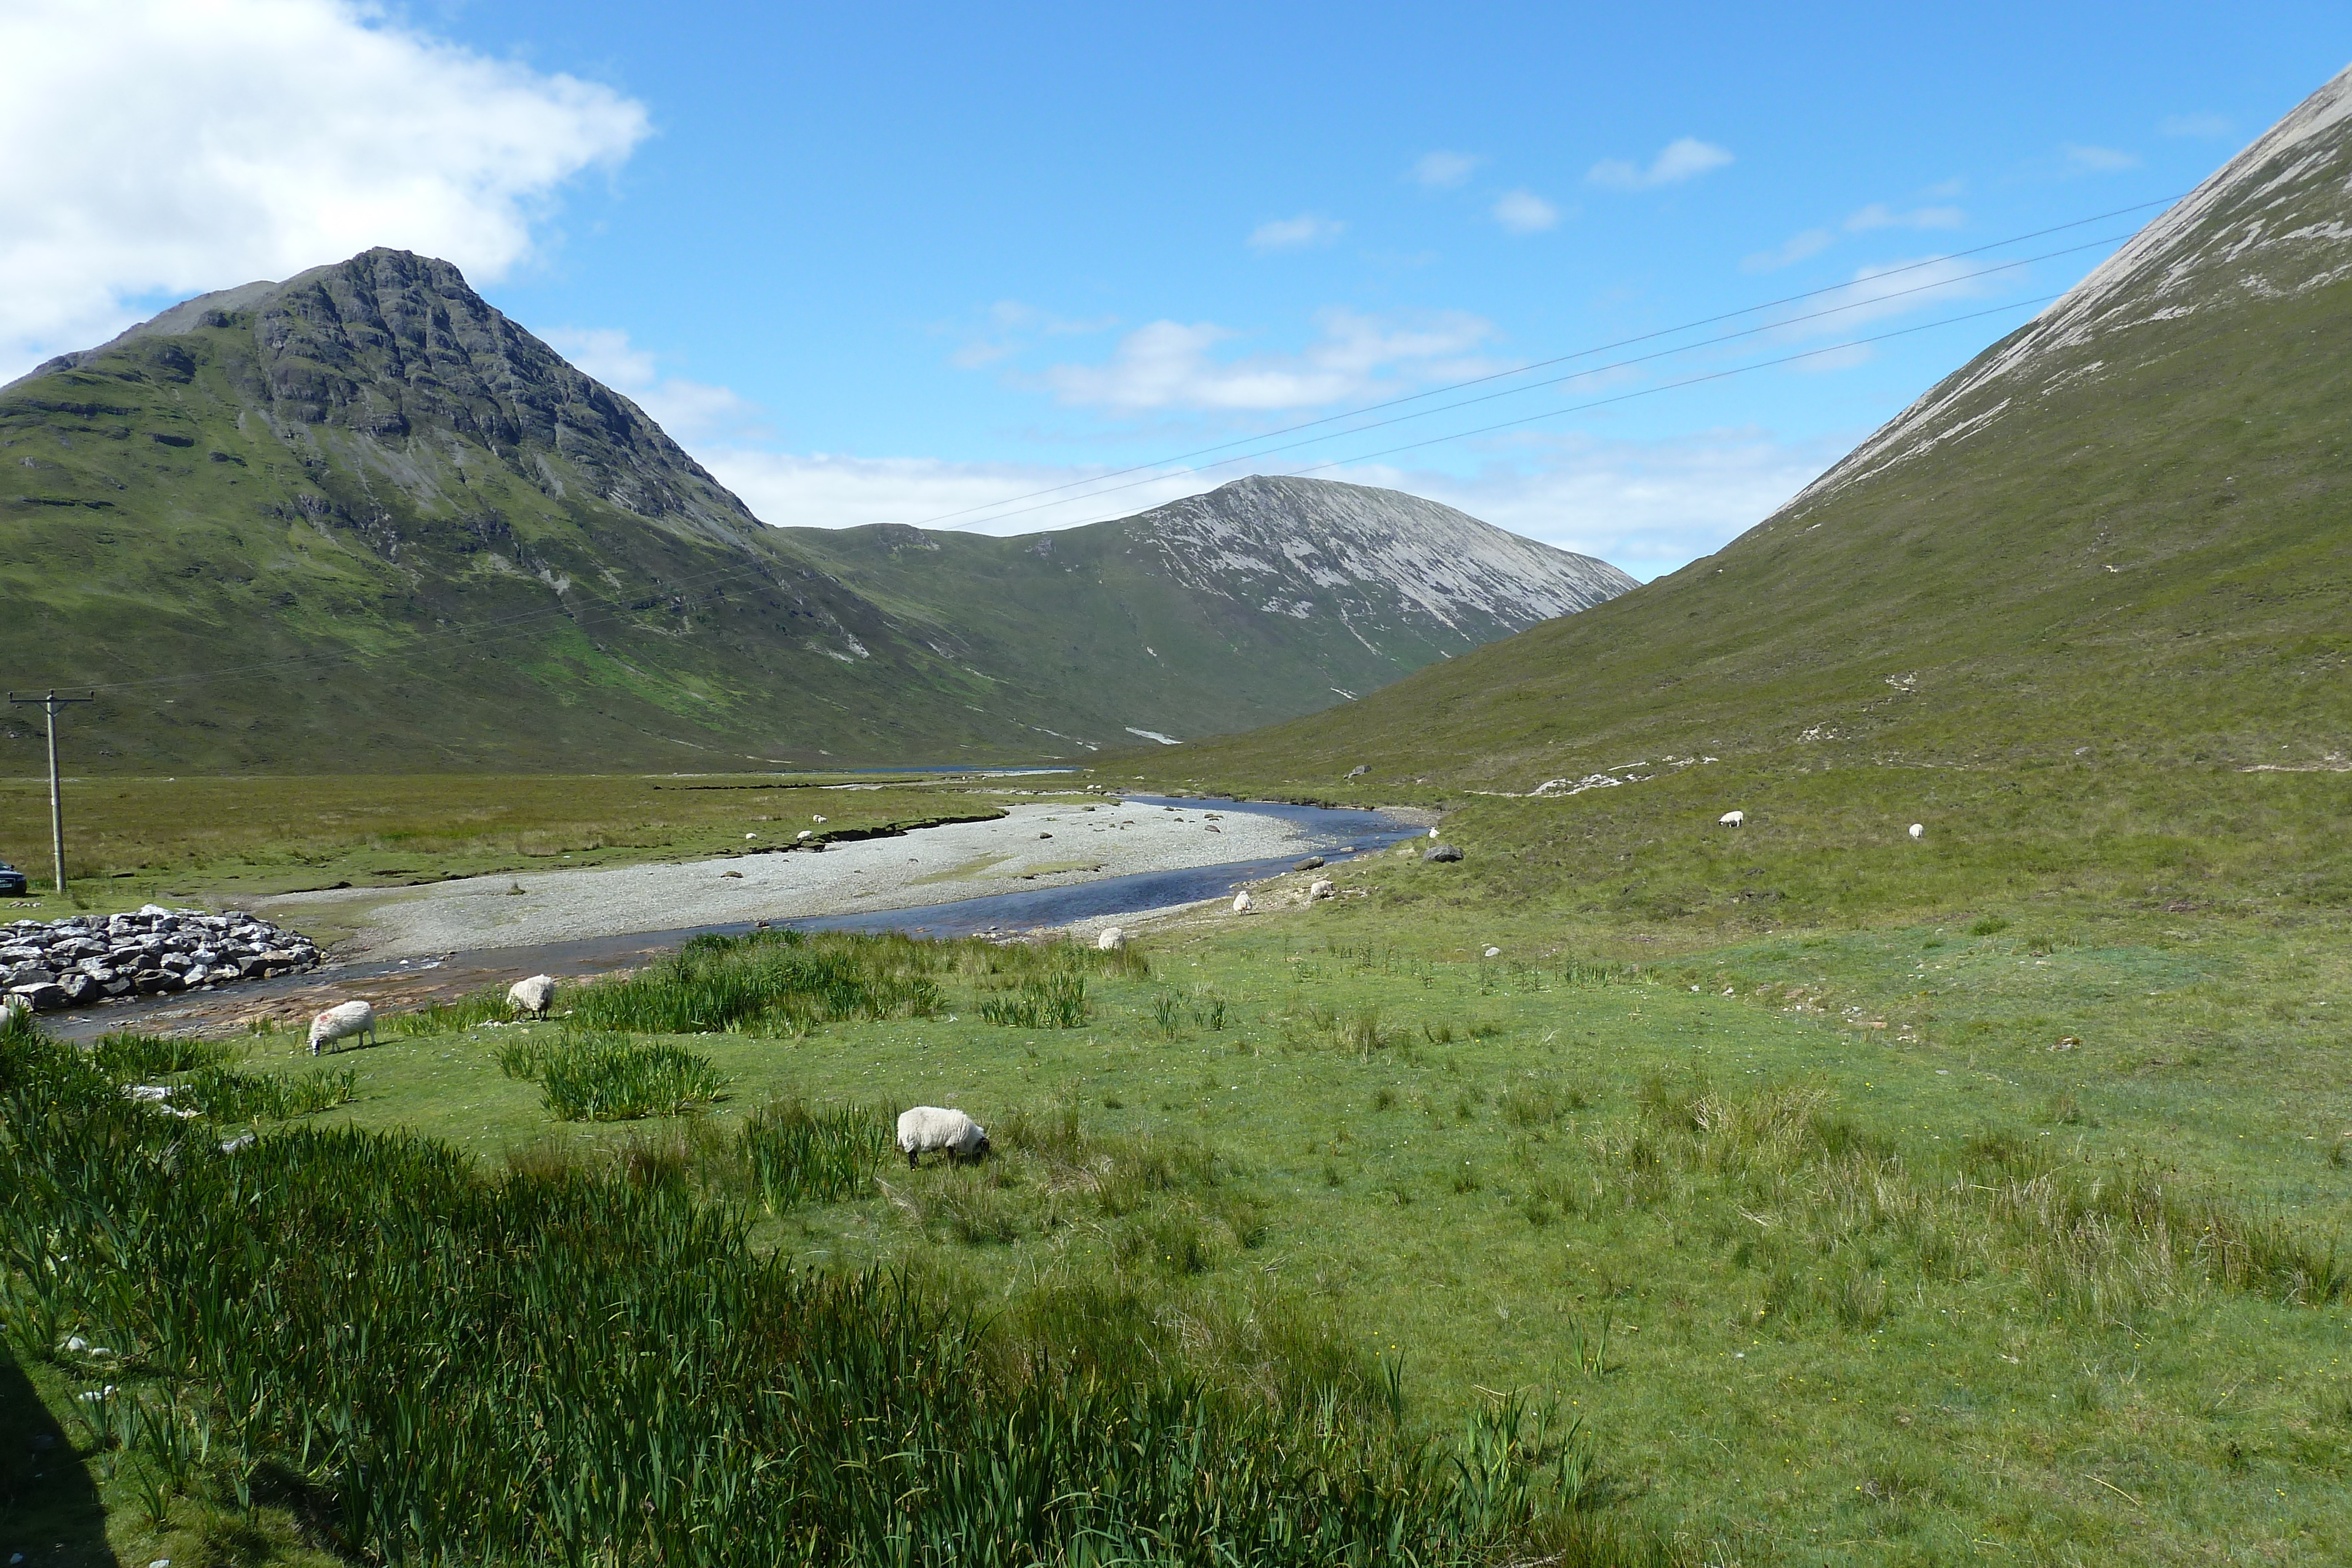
(1838, 1248)
(129, 840)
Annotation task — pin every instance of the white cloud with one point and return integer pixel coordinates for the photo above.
(822, 490)
(1444, 170)
(1646, 505)
(1295, 234)
(1812, 242)
(163, 147)
(1879, 215)
(2199, 125)
(1683, 159)
(1525, 213)
(1167, 365)
(2080, 160)
(1009, 327)
(691, 411)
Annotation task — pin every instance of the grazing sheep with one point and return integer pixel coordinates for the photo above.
(1111, 940)
(1918, 829)
(803, 836)
(342, 1022)
(1432, 833)
(816, 818)
(1241, 902)
(1731, 819)
(1322, 889)
(928, 1127)
(531, 995)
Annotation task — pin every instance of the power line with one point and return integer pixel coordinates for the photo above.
(1557, 359)
(1580, 375)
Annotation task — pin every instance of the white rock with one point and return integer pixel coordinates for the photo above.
(1111, 940)
(1494, 952)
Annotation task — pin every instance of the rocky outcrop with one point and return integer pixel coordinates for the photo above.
(84, 959)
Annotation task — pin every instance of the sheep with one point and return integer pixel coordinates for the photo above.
(1918, 829)
(1111, 940)
(1241, 901)
(1322, 889)
(531, 995)
(341, 1023)
(1432, 833)
(928, 1127)
(1731, 819)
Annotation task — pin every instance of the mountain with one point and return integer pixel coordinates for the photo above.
(362, 520)
(2120, 532)
(1265, 596)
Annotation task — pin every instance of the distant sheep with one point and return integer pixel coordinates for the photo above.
(1111, 940)
(1918, 829)
(1731, 819)
(1432, 833)
(1241, 902)
(1322, 889)
(342, 1023)
(531, 995)
(928, 1127)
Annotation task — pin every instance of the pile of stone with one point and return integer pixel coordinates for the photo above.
(87, 958)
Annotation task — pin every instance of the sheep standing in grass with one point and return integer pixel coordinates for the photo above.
(532, 996)
(1241, 902)
(928, 1127)
(1731, 819)
(1111, 940)
(1918, 831)
(342, 1022)
(1322, 889)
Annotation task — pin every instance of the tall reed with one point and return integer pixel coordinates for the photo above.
(586, 1365)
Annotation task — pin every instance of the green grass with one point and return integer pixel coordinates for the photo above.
(612, 1078)
(1818, 1291)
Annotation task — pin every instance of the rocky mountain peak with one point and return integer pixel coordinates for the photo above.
(2272, 224)
(1293, 544)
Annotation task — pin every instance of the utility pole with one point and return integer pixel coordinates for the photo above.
(51, 702)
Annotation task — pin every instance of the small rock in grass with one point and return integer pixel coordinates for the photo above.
(1445, 853)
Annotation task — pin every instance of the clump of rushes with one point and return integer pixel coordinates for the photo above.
(799, 1156)
(780, 980)
(612, 1078)
(638, 1385)
(126, 1054)
(1043, 1001)
(224, 1094)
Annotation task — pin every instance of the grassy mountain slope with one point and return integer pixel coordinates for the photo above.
(1265, 596)
(2118, 533)
(395, 531)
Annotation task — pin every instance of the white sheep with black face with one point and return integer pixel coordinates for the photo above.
(928, 1127)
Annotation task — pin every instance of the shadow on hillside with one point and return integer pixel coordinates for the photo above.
(49, 1506)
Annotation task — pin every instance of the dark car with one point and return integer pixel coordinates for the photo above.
(12, 883)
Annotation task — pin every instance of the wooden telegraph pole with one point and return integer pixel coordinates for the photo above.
(51, 702)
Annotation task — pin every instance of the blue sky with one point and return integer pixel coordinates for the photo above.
(910, 263)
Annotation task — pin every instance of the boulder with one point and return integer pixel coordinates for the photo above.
(1312, 862)
(1445, 853)
(41, 998)
(25, 975)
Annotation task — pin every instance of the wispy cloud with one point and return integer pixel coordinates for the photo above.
(2199, 125)
(1525, 213)
(1296, 234)
(692, 412)
(1877, 215)
(2078, 159)
(1173, 365)
(1444, 170)
(1686, 158)
(189, 181)
(1009, 326)
(1794, 249)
